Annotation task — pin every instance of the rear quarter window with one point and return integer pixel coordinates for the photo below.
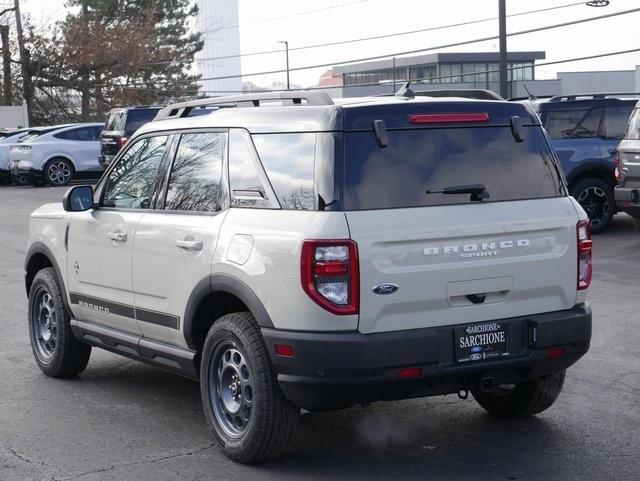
(288, 160)
(420, 159)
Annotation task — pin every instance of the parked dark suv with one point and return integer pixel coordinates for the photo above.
(585, 131)
(120, 125)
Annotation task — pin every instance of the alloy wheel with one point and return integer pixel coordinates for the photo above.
(59, 173)
(594, 201)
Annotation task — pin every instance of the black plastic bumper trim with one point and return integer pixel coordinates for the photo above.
(339, 369)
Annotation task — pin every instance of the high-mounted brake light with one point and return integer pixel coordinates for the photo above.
(329, 274)
(583, 238)
(616, 163)
(448, 117)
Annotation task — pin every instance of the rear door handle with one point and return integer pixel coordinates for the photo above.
(117, 236)
(190, 245)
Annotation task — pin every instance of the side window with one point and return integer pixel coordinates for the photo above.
(247, 185)
(288, 160)
(195, 180)
(633, 132)
(615, 122)
(588, 126)
(80, 134)
(133, 180)
(561, 123)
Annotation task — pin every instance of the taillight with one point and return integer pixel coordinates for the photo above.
(329, 273)
(120, 141)
(616, 162)
(448, 117)
(583, 235)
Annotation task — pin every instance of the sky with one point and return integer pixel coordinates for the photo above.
(265, 22)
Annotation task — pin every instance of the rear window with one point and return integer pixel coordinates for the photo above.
(417, 160)
(633, 129)
(137, 118)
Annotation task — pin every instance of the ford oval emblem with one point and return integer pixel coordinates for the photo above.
(385, 289)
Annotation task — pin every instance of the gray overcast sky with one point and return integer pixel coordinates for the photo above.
(374, 17)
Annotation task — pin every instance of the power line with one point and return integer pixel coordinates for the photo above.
(388, 35)
(421, 80)
(298, 14)
(420, 50)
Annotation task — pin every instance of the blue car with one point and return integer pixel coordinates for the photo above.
(585, 131)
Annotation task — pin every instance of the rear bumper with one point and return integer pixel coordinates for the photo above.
(336, 370)
(25, 169)
(628, 200)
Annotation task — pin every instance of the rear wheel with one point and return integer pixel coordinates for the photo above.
(596, 198)
(57, 352)
(524, 399)
(58, 172)
(243, 404)
(636, 222)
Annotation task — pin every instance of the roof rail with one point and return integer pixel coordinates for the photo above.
(182, 109)
(559, 98)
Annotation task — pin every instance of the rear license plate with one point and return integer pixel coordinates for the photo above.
(482, 341)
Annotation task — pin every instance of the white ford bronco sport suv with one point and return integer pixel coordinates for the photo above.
(291, 252)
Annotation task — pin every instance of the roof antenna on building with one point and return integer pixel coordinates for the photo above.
(405, 91)
(531, 96)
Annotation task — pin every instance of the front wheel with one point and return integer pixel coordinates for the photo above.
(58, 172)
(596, 198)
(57, 352)
(243, 404)
(524, 399)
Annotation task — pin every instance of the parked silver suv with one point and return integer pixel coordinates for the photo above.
(627, 160)
(291, 252)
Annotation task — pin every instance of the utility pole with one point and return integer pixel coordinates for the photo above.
(84, 78)
(502, 14)
(25, 63)
(286, 50)
(6, 65)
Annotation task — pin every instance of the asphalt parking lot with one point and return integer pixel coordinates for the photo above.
(124, 420)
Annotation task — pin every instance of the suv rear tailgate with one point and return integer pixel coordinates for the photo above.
(465, 263)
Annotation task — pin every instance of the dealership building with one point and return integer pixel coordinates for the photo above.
(474, 70)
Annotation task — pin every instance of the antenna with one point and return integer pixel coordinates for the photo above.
(405, 91)
(531, 96)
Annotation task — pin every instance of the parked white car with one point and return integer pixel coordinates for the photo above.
(56, 156)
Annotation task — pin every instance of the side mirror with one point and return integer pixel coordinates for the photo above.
(78, 198)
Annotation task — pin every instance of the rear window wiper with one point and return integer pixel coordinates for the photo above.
(478, 191)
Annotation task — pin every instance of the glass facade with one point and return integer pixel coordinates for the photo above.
(477, 75)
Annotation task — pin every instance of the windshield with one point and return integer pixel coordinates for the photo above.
(432, 159)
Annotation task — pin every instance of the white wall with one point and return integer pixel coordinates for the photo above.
(218, 22)
(13, 116)
(598, 82)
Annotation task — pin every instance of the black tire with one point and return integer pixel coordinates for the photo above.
(65, 356)
(263, 421)
(636, 222)
(18, 179)
(597, 199)
(58, 172)
(525, 399)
